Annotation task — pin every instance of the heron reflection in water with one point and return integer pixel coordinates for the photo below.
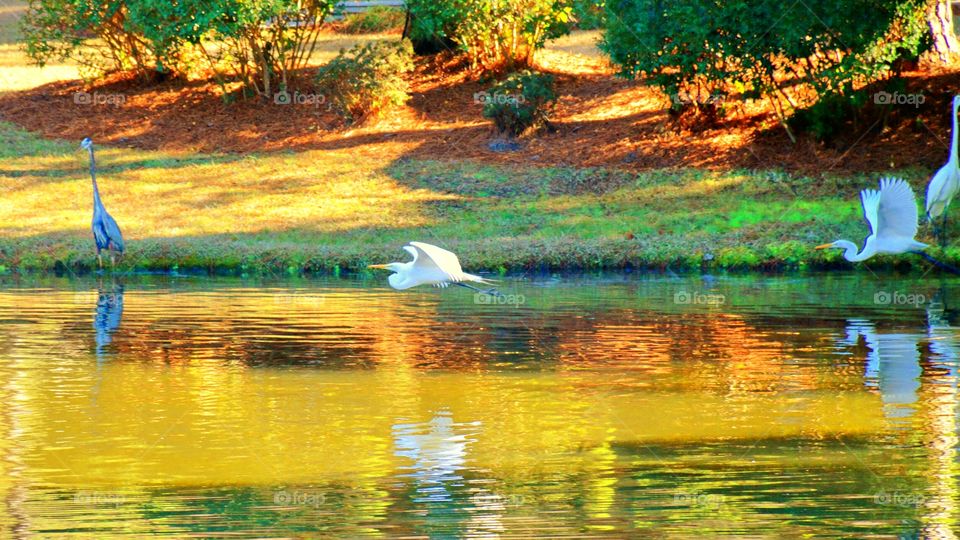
(107, 316)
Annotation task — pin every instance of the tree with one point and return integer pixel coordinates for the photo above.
(940, 22)
(788, 53)
(495, 35)
(260, 41)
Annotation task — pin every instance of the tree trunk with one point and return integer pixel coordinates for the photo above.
(940, 21)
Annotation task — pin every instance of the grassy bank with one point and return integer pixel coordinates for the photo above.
(337, 210)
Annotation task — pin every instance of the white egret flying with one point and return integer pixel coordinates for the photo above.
(946, 182)
(891, 213)
(431, 265)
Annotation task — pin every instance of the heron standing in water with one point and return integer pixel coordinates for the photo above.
(106, 232)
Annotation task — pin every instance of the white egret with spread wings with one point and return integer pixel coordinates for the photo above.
(431, 265)
(892, 215)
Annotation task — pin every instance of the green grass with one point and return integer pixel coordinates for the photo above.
(338, 210)
(327, 211)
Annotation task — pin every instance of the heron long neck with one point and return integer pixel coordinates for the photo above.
(93, 176)
(953, 135)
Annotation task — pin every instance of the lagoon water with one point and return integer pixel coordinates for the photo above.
(591, 406)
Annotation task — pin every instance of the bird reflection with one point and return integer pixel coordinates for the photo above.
(438, 449)
(893, 361)
(941, 334)
(106, 318)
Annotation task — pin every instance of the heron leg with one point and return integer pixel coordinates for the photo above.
(99, 260)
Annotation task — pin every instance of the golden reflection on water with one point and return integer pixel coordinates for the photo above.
(357, 410)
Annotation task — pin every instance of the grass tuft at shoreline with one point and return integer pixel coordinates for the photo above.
(328, 211)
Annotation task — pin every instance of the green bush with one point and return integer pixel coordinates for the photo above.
(520, 102)
(374, 19)
(367, 78)
(762, 48)
(495, 36)
(588, 14)
(56, 30)
(259, 41)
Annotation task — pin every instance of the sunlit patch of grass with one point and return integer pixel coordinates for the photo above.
(17, 71)
(320, 210)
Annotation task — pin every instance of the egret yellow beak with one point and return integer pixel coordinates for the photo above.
(381, 266)
(824, 246)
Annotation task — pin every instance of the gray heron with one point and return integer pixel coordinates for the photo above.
(106, 232)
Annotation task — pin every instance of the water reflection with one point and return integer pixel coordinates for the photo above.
(331, 408)
(438, 452)
(893, 361)
(941, 329)
(108, 315)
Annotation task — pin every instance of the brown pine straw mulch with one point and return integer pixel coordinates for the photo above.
(600, 120)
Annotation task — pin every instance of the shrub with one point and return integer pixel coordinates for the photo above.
(758, 49)
(260, 41)
(374, 19)
(520, 102)
(61, 29)
(367, 78)
(496, 36)
(588, 14)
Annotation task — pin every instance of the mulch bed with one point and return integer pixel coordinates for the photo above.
(600, 120)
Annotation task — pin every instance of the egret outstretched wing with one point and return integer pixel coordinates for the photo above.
(897, 210)
(430, 258)
(870, 200)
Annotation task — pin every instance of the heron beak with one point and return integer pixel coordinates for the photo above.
(381, 266)
(824, 246)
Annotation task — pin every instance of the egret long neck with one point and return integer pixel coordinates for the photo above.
(953, 135)
(93, 176)
(850, 251)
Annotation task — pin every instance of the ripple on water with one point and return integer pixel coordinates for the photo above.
(611, 406)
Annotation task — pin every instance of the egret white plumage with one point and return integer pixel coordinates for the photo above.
(891, 213)
(946, 182)
(431, 265)
(106, 232)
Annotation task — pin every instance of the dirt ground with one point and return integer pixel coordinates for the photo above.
(600, 120)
